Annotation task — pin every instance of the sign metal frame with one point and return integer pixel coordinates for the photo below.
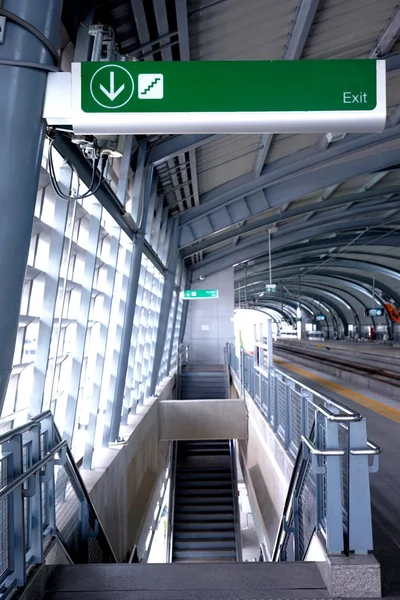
(63, 105)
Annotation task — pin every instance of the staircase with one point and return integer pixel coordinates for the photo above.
(205, 506)
(256, 581)
(202, 383)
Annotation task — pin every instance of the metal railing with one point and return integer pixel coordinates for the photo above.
(171, 502)
(329, 492)
(42, 496)
(183, 361)
(235, 499)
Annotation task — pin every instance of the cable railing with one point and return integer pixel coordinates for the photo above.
(329, 492)
(42, 497)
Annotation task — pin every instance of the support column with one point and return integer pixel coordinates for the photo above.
(171, 345)
(22, 133)
(185, 309)
(166, 301)
(142, 187)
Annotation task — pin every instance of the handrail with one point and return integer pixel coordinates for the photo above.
(8, 435)
(288, 506)
(317, 452)
(372, 450)
(349, 415)
(290, 408)
(171, 503)
(80, 485)
(236, 513)
(11, 487)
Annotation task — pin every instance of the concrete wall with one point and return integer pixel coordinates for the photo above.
(202, 419)
(210, 322)
(267, 469)
(122, 481)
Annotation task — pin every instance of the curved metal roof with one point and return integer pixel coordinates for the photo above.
(334, 198)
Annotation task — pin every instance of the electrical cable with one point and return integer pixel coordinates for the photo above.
(93, 188)
(28, 27)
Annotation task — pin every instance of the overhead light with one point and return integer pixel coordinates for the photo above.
(273, 229)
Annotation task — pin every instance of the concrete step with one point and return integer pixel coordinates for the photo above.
(187, 581)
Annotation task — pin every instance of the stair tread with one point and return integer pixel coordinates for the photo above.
(266, 577)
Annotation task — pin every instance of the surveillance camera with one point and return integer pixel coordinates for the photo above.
(202, 277)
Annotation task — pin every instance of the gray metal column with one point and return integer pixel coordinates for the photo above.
(166, 301)
(185, 309)
(171, 345)
(142, 193)
(22, 133)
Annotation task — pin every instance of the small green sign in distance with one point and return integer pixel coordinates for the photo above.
(199, 294)
(270, 287)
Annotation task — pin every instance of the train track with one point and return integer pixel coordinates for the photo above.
(371, 372)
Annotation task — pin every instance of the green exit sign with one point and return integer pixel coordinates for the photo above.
(199, 294)
(229, 97)
(270, 287)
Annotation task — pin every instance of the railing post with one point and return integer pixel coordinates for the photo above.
(34, 498)
(305, 397)
(48, 477)
(359, 496)
(288, 413)
(276, 402)
(16, 548)
(269, 393)
(333, 500)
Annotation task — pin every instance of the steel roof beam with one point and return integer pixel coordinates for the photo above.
(179, 144)
(251, 248)
(301, 26)
(316, 246)
(232, 233)
(388, 37)
(313, 168)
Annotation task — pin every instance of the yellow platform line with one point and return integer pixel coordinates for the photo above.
(382, 409)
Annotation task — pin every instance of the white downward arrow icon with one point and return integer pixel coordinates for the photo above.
(111, 93)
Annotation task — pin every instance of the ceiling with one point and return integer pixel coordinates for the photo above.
(333, 201)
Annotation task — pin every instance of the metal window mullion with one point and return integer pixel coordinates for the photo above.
(154, 331)
(155, 232)
(50, 293)
(135, 334)
(144, 328)
(101, 351)
(151, 327)
(117, 347)
(159, 242)
(81, 329)
(172, 333)
(151, 218)
(165, 242)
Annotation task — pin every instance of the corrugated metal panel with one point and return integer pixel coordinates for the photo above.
(238, 30)
(393, 91)
(348, 29)
(224, 159)
(286, 144)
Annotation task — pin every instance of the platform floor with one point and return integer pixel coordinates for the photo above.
(383, 422)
